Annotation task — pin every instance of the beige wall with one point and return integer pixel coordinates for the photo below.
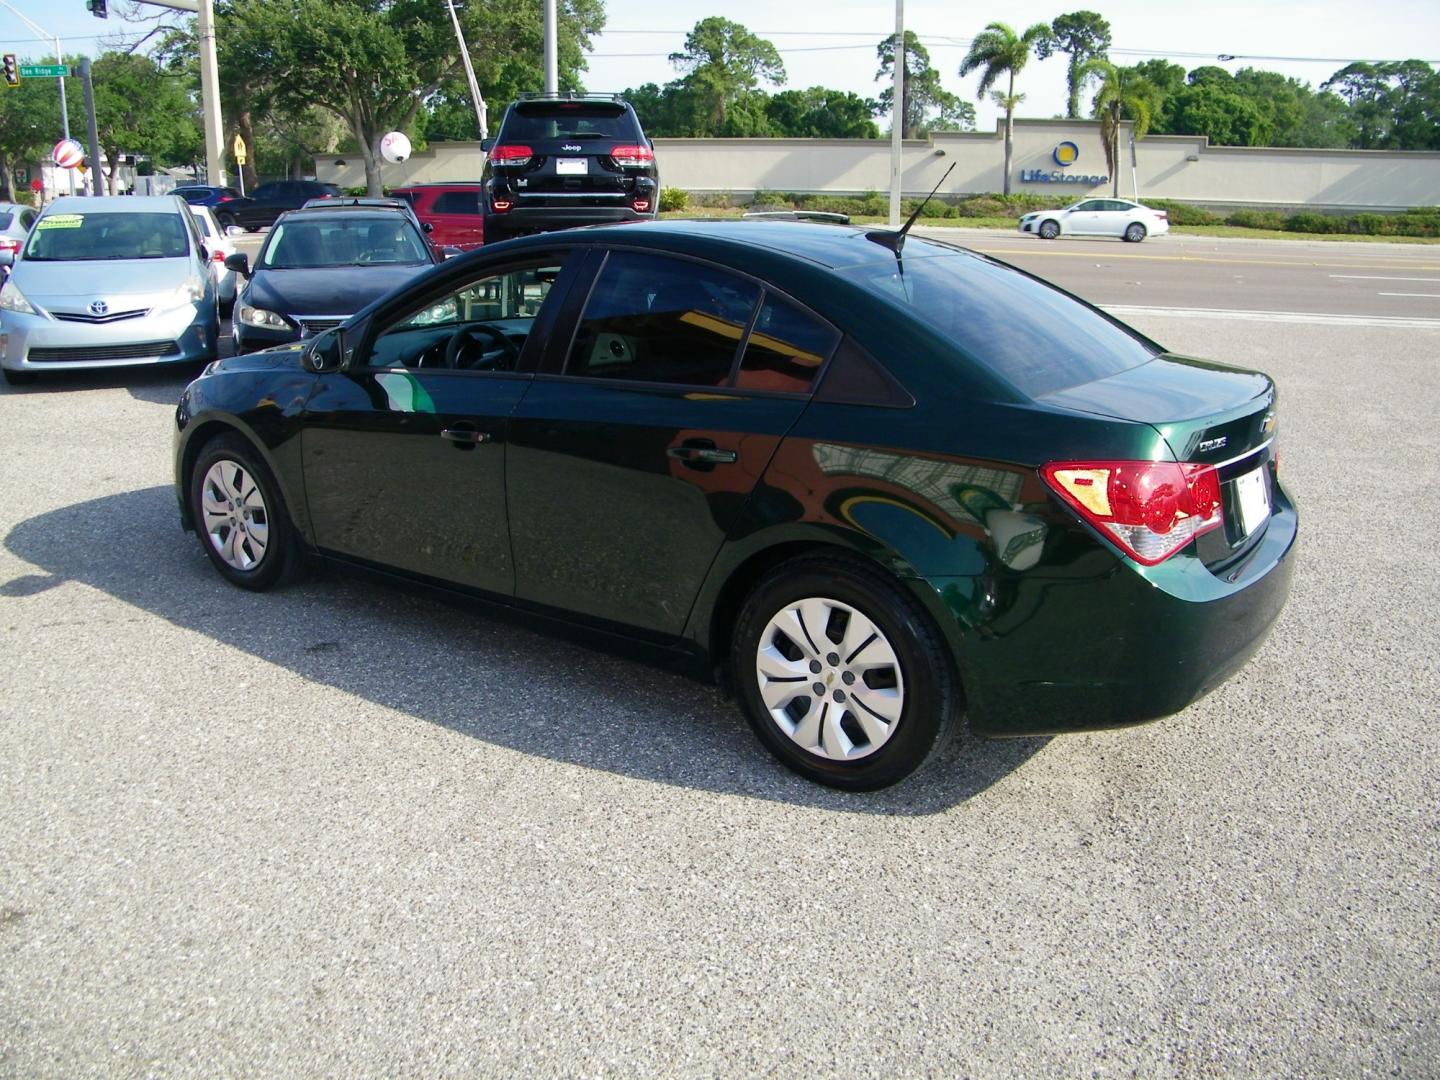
(1169, 166)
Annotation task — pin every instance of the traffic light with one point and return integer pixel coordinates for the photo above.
(12, 70)
(97, 8)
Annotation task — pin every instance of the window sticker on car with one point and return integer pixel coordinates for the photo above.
(62, 221)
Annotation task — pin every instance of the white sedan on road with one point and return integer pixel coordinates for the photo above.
(220, 244)
(1098, 217)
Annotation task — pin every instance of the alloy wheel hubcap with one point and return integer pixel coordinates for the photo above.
(830, 679)
(236, 520)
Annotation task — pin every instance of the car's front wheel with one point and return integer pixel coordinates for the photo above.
(240, 516)
(1049, 229)
(1134, 232)
(842, 674)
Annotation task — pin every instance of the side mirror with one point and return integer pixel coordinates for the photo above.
(234, 230)
(204, 254)
(486, 144)
(325, 351)
(428, 226)
(451, 252)
(239, 262)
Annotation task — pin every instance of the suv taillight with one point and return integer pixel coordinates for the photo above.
(632, 156)
(511, 154)
(1151, 509)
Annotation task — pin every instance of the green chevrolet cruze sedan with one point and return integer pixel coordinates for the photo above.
(870, 484)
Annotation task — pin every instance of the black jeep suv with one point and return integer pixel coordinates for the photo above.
(565, 160)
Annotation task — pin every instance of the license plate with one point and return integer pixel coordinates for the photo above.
(1254, 499)
(570, 166)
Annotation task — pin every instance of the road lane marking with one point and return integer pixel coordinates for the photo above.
(1316, 318)
(1383, 277)
(1297, 263)
(1431, 295)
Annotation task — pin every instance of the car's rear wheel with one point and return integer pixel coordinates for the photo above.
(241, 517)
(1049, 229)
(1134, 232)
(842, 674)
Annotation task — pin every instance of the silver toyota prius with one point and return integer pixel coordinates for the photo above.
(108, 282)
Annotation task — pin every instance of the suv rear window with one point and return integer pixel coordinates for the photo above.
(1033, 336)
(538, 121)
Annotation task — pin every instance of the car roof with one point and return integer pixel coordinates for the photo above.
(466, 184)
(110, 204)
(380, 213)
(826, 245)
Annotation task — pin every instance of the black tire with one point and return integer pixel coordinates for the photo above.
(18, 378)
(931, 699)
(283, 558)
(1134, 233)
(1049, 229)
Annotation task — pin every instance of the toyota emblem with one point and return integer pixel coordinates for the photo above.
(99, 307)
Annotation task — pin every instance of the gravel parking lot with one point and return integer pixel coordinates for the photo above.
(344, 830)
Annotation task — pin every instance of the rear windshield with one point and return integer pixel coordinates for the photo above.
(81, 237)
(6, 217)
(568, 120)
(298, 244)
(1034, 337)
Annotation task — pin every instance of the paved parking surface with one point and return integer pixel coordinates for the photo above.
(344, 830)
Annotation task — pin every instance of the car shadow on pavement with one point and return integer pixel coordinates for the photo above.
(482, 676)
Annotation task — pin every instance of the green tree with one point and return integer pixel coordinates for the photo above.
(1123, 95)
(30, 123)
(995, 51)
(725, 63)
(1082, 36)
(1220, 113)
(821, 113)
(927, 104)
(140, 108)
(375, 63)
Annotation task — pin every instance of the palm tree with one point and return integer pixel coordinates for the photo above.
(1124, 94)
(1000, 51)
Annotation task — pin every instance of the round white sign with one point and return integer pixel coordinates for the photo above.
(67, 153)
(395, 147)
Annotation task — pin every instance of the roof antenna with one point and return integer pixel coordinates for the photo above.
(896, 240)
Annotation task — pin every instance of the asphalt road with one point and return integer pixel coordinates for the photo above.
(342, 830)
(1340, 280)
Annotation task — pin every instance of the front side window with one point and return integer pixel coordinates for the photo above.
(481, 327)
(105, 236)
(457, 202)
(266, 191)
(651, 318)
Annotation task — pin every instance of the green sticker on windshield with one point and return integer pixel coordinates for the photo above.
(61, 221)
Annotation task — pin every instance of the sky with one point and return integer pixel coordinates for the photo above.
(832, 43)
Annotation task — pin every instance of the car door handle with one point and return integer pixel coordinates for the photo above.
(709, 455)
(465, 435)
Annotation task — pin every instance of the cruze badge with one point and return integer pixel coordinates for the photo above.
(99, 307)
(572, 149)
(1206, 445)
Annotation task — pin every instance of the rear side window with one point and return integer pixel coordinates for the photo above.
(457, 202)
(1031, 335)
(6, 218)
(785, 350)
(651, 318)
(569, 120)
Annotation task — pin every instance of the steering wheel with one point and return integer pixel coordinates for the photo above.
(496, 351)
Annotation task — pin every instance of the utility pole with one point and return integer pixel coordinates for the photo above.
(209, 83)
(552, 71)
(90, 124)
(897, 114)
(481, 113)
(59, 59)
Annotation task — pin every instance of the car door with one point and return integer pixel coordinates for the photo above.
(457, 219)
(404, 450)
(1084, 219)
(636, 447)
(1114, 218)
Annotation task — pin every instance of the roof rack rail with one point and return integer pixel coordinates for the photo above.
(568, 95)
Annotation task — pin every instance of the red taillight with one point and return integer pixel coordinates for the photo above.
(8, 243)
(1151, 509)
(226, 198)
(633, 156)
(511, 154)
(1161, 214)
(219, 257)
(641, 205)
(500, 206)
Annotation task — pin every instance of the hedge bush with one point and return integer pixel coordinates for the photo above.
(1256, 219)
(673, 199)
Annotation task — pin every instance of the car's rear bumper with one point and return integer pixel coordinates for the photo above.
(37, 343)
(1118, 647)
(533, 219)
